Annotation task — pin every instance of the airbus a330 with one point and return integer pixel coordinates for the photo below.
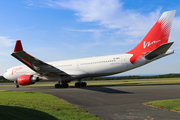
(152, 47)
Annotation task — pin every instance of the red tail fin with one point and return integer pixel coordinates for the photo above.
(158, 35)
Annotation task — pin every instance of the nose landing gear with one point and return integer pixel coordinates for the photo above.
(17, 84)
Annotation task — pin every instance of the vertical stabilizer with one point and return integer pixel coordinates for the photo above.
(158, 35)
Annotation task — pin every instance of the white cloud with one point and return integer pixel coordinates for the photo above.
(30, 2)
(6, 42)
(111, 15)
(96, 32)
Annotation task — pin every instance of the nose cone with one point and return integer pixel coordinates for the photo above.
(5, 75)
(8, 76)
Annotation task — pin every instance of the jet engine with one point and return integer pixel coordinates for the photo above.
(27, 79)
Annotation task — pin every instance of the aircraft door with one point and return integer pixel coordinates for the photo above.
(123, 61)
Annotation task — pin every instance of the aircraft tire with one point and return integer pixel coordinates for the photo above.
(16, 86)
(65, 85)
(80, 84)
(83, 84)
(57, 86)
(77, 84)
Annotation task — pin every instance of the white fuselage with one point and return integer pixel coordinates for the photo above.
(86, 67)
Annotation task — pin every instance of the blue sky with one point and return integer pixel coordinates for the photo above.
(53, 30)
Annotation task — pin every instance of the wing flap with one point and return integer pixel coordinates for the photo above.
(160, 50)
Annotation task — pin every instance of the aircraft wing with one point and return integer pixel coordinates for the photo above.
(33, 63)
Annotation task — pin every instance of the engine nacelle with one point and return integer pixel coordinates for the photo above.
(27, 79)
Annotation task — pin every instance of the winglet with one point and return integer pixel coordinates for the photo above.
(18, 46)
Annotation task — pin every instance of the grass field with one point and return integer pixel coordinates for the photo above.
(38, 106)
(166, 104)
(112, 82)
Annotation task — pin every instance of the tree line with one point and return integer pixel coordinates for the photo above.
(134, 77)
(2, 79)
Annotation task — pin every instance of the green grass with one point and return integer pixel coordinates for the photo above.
(166, 104)
(39, 106)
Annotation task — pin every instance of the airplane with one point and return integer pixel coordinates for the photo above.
(152, 47)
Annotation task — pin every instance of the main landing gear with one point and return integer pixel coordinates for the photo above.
(66, 85)
(60, 84)
(63, 85)
(80, 84)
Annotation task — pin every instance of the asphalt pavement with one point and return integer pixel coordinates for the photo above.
(116, 102)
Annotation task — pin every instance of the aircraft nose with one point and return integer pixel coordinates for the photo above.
(9, 76)
(5, 75)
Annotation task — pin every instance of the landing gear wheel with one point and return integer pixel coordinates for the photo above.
(80, 84)
(64, 85)
(77, 84)
(16, 86)
(57, 85)
(83, 84)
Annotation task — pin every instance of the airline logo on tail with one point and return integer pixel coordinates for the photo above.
(149, 43)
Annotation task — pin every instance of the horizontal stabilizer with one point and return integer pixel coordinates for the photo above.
(160, 50)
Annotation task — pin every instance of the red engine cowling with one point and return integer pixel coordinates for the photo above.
(27, 79)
